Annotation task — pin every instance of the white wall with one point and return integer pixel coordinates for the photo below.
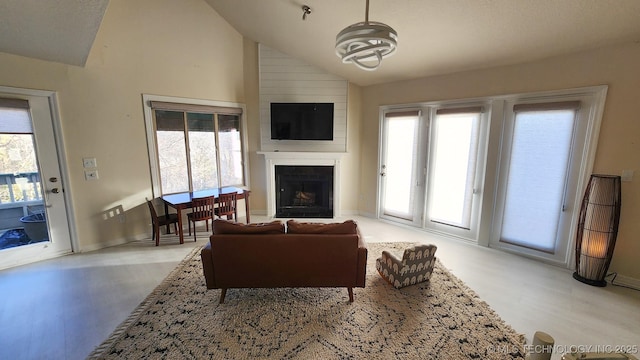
(286, 79)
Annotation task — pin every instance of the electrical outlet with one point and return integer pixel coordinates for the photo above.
(91, 174)
(627, 175)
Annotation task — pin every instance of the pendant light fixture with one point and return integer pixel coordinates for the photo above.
(366, 43)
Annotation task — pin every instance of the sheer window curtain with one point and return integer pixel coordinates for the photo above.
(455, 135)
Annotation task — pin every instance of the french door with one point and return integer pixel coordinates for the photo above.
(430, 168)
(401, 161)
(506, 171)
(455, 170)
(33, 208)
(543, 149)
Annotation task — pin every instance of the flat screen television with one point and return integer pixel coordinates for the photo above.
(302, 121)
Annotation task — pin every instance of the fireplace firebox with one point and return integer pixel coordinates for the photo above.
(304, 191)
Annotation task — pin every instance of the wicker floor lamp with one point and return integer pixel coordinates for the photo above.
(597, 229)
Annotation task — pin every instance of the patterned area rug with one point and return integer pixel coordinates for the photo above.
(440, 319)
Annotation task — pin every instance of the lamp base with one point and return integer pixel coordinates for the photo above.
(598, 283)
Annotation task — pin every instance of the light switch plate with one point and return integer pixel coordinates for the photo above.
(91, 174)
(89, 162)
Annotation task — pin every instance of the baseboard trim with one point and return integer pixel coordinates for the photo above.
(115, 242)
(626, 281)
(343, 213)
(367, 214)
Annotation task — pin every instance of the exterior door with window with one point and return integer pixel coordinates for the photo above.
(448, 159)
(542, 150)
(454, 171)
(33, 213)
(401, 168)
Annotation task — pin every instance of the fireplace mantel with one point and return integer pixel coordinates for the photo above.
(273, 158)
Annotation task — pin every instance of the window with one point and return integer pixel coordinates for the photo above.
(196, 146)
(19, 174)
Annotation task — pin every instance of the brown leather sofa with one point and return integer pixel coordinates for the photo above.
(264, 256)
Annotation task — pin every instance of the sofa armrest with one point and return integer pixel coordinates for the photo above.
(206, 254)
(362, 262)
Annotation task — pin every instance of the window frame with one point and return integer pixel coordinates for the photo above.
(188, 104)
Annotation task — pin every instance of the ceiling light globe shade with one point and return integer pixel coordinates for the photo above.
(366, 42)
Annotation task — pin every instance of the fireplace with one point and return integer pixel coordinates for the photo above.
(327, 162)
(304, 191)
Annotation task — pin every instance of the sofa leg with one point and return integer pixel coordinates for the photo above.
(350, 294)
(222, 295)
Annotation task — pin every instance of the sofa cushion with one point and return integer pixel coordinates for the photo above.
(347, 227)
(229, 227)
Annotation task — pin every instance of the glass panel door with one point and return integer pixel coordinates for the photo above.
(22, 216)
(33, 213)
(538, 182)
(453, 170)
(538, 167)
(399, 168)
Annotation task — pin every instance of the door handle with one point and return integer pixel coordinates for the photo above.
(383, 173)
(46, 196)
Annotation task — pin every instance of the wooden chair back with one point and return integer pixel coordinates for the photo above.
(227, 205)
(152, 211)
(160, 220)
(202, 209)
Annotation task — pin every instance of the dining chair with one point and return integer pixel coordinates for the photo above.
(161, 220)
(227, 206)
(202, 211)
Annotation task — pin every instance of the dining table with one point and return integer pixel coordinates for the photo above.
(181, 201)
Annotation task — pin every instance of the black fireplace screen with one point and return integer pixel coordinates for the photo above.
(304, 191)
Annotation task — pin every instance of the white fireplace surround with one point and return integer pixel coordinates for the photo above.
(300, 158)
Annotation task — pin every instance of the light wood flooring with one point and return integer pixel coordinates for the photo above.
(63, 308)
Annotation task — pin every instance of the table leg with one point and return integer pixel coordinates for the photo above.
(180, 231)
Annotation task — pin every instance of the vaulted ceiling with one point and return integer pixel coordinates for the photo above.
(434, 36)
(55, 30)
